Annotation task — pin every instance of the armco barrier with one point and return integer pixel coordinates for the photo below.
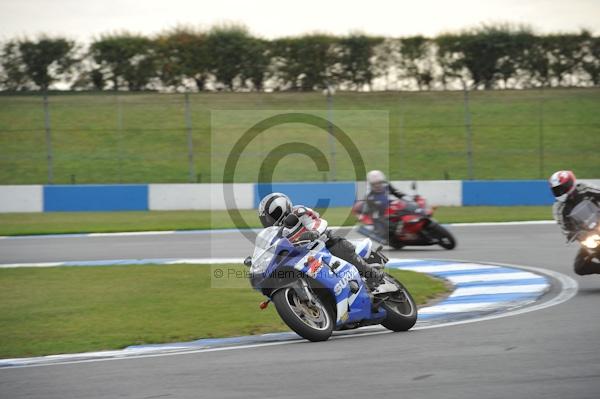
(506, 193)
(122, 197)
(437, 192)
(21, 199)
(313, 195)
(140, 197)
(165, 197)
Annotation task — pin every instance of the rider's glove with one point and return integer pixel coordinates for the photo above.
(310, 235)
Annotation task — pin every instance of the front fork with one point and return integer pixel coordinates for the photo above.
(304, 291)
(301, 288)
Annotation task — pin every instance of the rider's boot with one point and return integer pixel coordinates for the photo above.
(374, 277)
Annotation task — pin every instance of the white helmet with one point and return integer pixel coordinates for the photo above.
(273, 209)
(375, 177)
(562, 184)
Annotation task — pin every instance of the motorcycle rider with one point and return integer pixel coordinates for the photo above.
(568, 193)
(274, 210)
(378, 200)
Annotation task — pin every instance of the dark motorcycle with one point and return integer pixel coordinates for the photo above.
(585, 216)
(409, 222)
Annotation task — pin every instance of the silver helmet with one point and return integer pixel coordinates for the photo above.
(273, 209)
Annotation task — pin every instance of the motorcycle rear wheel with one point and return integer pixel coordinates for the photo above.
(314, 322)
(396, 243)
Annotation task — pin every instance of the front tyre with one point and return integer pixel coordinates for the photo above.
(400, 307)
(586, 264)
(445, 238)
(396, 243)
(313, 321)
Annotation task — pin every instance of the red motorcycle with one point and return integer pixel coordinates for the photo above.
(409, 222)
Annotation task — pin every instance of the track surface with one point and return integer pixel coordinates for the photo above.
(550, 353)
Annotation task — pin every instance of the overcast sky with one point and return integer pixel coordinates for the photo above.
(86, 19)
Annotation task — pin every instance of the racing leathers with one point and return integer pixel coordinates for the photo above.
(376, 204)
(311, 226)
(561, 211)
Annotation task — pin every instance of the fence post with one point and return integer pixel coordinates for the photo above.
(399, 161)
(329, 95)
(469, 133)
(120, 138)
(49, 157)
(541, 133)
(188, 124)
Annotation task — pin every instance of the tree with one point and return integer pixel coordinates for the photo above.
(125, 60)
(416, 60)
(537, 60)
(36, 64)
(451, 59)
(309, 62)
(386, 59)
(229, 52)
(13, 71)
(183, 54)
(357, 54)
(488, 54)
(590, 62)
(566, 53)
(256, 61)
(514, 63)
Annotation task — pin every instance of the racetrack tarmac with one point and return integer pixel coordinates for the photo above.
(549, 353)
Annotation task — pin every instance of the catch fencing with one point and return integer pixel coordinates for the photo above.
(128, 138)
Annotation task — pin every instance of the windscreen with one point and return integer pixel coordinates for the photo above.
(264, 249)
(585, 214)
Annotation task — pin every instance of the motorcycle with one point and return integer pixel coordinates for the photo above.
(410, 223)
(585, 216)
(316, 293)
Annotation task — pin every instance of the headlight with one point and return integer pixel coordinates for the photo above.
(592, 241)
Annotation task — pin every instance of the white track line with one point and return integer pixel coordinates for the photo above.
(472, 278)
(220, 231)
(450, 267)
(500, 289)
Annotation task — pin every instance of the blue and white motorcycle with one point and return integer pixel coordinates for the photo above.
(316, 293)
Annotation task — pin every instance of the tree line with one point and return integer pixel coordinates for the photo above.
(229, 58)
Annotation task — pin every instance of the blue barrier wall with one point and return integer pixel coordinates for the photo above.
(312, 195)
(506, 192)
(135, 197)
(96, 198)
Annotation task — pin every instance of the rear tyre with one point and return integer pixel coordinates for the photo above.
(314, 322)
(400, 307)
(446, 239)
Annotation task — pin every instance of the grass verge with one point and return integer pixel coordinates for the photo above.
(79, 309)
(82, 222)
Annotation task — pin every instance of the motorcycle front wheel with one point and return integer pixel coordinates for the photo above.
(446, 239)
(400, 307)
(313, 321)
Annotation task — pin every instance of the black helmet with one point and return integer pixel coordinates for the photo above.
(273, 209)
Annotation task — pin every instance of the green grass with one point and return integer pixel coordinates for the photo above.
(82, 222)
(77, 309)
(103, 138)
